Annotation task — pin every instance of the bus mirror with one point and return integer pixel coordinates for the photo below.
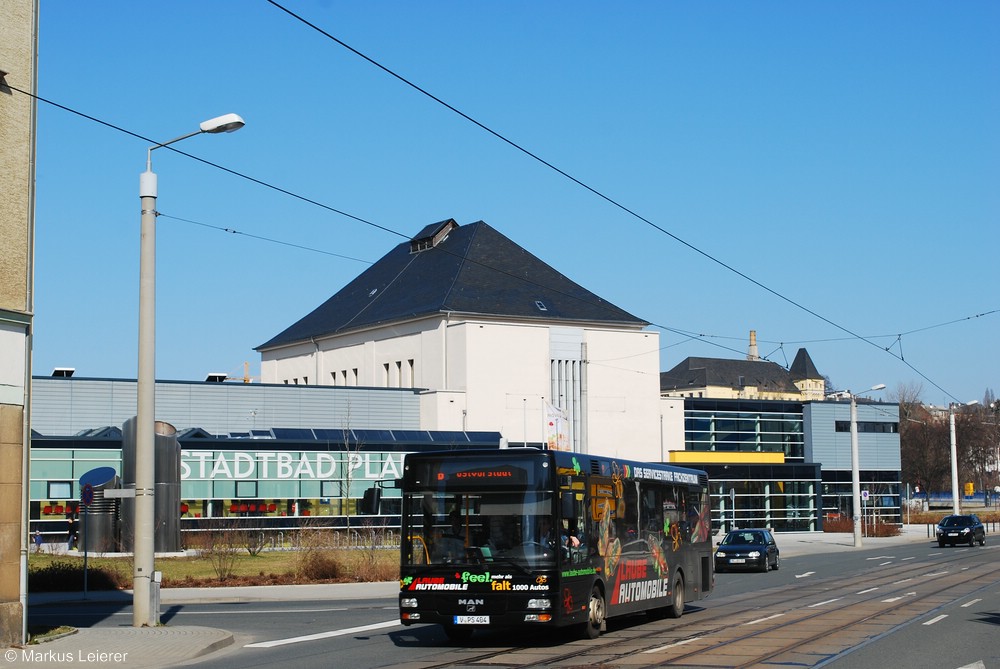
(370, 501)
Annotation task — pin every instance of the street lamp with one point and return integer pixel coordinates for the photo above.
(956, 507)
(145, 429)
(856, 466)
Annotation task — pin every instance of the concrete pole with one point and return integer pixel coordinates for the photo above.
(955, 505)
(143, 611)
(145, 428)
(855, 474)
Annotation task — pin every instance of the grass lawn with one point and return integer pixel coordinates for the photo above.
(60, 571)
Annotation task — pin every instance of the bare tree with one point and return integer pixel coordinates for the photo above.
(975, 444)
(222, 547)
(924, 442)
(352, 449)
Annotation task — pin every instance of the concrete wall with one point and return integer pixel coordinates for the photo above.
(485, 374)
(18, 41)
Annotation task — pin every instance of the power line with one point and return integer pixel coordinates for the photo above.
(241, 175)
(593, 190)
(394, 232)
(233, 231)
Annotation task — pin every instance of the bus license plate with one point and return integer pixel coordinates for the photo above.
(737, 561)
(472, 620)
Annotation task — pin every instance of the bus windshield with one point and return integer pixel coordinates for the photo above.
(513, 528)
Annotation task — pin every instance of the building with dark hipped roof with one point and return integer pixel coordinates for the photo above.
(495, 338)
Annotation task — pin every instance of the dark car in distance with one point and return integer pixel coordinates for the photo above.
(961, 530)
(747, 549)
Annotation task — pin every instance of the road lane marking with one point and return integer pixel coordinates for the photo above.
(936, 620)
(865, 592)
(671, 645)
(909, 558)
(230, 612)
(323, 635)
(764, 620)
(829, 601)
(968, 604)
(903, 581)
(808, 573)
(891, 600)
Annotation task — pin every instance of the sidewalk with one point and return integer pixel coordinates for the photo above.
(169, 646)
(792, 544)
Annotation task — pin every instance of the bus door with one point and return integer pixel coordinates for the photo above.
(576, 566)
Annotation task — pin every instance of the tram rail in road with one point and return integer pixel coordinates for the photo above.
(799, 624)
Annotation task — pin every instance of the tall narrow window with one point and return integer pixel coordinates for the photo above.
(385, 375)
(411, 374)
(399, 373)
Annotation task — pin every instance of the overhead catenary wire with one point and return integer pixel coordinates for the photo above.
(597, 192)
(705, 338)
(404, 236)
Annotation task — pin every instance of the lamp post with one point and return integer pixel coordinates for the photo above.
(145, 429)
(856, 467)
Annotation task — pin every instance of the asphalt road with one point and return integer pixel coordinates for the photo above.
(958, 629)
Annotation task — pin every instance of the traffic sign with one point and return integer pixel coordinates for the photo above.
(87, 494)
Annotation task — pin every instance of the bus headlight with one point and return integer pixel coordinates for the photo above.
(539, 604)
(538, 617)
(408, 603)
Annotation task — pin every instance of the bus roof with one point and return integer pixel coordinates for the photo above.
(600, 465)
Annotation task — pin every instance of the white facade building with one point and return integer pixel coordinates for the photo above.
(494, 338)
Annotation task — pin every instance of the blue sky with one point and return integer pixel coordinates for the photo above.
(845, 156)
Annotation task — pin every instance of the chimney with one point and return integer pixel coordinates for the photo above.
(752, 353)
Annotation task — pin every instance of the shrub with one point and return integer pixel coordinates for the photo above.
(66, 576)
(869, 529)
(319, 565)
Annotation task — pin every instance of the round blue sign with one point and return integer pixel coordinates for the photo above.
(87, 494)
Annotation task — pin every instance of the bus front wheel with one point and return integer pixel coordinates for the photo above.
(595, 617)
(676, 608)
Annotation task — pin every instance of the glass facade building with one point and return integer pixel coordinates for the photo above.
(787, 465)
(264, 481)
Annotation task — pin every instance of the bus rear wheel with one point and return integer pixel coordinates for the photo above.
(596, 615)
(676, 608)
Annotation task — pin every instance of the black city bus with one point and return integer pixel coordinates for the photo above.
(526, 537)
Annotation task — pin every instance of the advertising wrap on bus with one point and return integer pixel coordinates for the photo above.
(530, 537)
